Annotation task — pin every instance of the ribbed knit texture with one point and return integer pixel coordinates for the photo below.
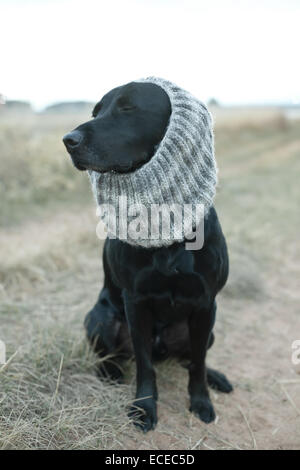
(182, 171)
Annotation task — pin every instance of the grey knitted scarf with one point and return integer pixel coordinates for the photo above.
(182, 171)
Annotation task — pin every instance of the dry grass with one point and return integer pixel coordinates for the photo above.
(34, 170)
(50, 397)
(51, 273)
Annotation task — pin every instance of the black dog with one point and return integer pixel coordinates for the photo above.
(157, 292)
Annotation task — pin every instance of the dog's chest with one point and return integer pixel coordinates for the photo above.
(167, 310)
(171, 296)
(165, 279)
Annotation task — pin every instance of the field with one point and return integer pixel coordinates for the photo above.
(50, 275)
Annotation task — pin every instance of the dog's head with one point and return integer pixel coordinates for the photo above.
(128, 123)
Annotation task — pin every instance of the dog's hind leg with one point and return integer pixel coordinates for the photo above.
(216, 379)
(102, 326)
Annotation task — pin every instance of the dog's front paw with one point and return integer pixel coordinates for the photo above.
(203, 408)
(143, 414)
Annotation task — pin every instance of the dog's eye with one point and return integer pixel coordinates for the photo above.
(124, 104)
(127, 108)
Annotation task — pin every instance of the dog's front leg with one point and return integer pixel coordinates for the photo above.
(200, 326)
(140, 323)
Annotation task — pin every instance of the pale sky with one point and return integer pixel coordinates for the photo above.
(238, 51)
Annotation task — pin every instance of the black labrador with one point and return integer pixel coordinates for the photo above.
(155, 294)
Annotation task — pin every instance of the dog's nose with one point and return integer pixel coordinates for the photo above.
(72, 139)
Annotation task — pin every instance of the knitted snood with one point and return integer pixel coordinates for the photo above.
(182, 171)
